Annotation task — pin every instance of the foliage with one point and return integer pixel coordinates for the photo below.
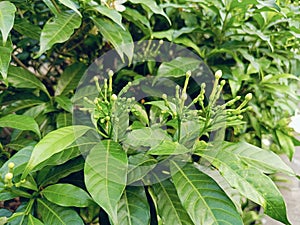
(157, 160)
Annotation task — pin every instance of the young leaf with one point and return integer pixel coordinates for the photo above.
(71, 4)
(7, 17)
(119, 38)
(153, 7)
(54, 214)
(54, 142)
(67, 195)
(33, 221)
(70, 78)
(20, 122)
(5, 58)
(105, 175)
(133, 207)
(21, 78)
(58, 30)
(168, 148)
(249, 181)
(169, 206)
(201, 196)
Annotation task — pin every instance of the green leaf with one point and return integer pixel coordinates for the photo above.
(146, 137)
(70, 78)
(5, 58)
(169, 206)
(51, 6)
(21, 104)
(119, 38)
(28, 29)
(33, 221)
(138, 19)
(139, 111)
(7, 17)
(21, 78)
(67, 195)
(286, 144)
(177, 67)
(248, 180)
(105, 175)
(262, 159)
(153, 7)
(63, 120)
(71, 4)
(111, 14)
(201, 196)
(54, 142)
(65, 103)
(54, 214)
(133, 207)
(58, 30)
(20, 122)
(168, 148)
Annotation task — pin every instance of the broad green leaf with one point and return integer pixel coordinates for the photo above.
(7, 17)
(70, 78)
(22, 78)
(133, 207)
(66, 195)
(111, 14)
(120, 123)
(105, 175)
(138, 19)
(139, 165)
(33, 221)
(153, 7)
(147, 137)
(5, 58)
(168, 148)
(202, 198)
(21, 104)
(286, 144)
(20, 122)
(119, 38)
(51, 6)
(53, 214)
(63, 120)
(65, 103)
(189, 132)
(177, 67)
(58, 30)
(54, 142)
(262, 159)
(249, 181)
(28, 29)
(71, 4)
(169, 207)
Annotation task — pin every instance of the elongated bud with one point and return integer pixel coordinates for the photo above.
(223, 82)
(188, 73)
(164, 96)
(218, 74)
(114, 97)
(249, 96)
(110, 73)
(184, 96)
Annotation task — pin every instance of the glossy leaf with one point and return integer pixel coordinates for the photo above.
(70, 78)
(20, 122)
(111, 14)
(21, 104)
(67, 195)
(5, 58)
(7, 17)
(140, 112)
(33, 221)
(51, 6)
(63, 120)
(65, 103)
(54, 142)
(147, 137)
(168, 148)
(71, 4)
(249, 181)
(105, 175)
(119, 38)
(21, 78)
(169, 207)
(58, 30)
(54, 214)
(152, 6)
(210, 203)
(133, 207)
(28, 29)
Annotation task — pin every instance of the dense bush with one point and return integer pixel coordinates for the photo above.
(98, 155)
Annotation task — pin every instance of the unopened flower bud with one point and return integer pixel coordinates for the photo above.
(188, 73)
(184, 96)
(107, 118)
(11, 165)
(110, 73)
(161, 42)
(223, 82)
(248, 97)
(218, 74)
(9, 176)
(240, 117)
(114, 97)
(164, 96)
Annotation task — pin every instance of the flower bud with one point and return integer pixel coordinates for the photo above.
(218, 74)
(11, 165)
(164, 96)
(161, 42)
(223, 82)
(248, 97)
(188, 73)
(184, 96)
(9, 176)
(114, 97)
(107, 118)
(110, 73)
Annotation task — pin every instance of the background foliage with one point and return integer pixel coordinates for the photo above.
(45, 48)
